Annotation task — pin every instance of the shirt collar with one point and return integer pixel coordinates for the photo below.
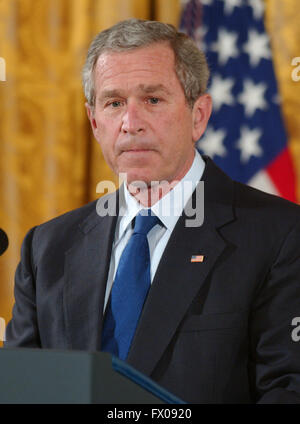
(169, 207)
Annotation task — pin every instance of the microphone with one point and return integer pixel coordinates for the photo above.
(3, 241)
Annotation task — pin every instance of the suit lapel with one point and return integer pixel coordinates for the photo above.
(178, 280)
(86, 270)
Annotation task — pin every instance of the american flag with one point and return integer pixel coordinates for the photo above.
(245, 135)
(197, 258)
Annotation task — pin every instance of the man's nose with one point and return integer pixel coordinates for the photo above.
(132, 122)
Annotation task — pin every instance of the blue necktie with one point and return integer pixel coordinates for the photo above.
(129, 290)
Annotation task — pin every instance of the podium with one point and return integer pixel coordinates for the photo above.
(40, 376)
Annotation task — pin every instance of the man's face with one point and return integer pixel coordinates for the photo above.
(141, 118)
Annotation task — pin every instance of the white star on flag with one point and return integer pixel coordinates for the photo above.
(257, 47)
(220, 91)
(252, 97)
(225, 46)
(230, 5)
(248, 143)
(258, 8)
(212, 142)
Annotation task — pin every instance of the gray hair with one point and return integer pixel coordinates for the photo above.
(190, 63)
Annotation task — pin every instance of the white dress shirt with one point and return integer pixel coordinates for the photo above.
(168, 209)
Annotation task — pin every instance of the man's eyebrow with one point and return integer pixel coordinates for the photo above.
(153, 88)
(106, 94)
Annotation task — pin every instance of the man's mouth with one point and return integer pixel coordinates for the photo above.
(137, 150)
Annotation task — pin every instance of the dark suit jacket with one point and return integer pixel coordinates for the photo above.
(213, 332)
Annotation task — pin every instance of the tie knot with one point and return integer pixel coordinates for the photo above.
(144, 222)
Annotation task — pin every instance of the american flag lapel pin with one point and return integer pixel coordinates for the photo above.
(197, 258)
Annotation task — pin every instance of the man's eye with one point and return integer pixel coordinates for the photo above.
(115, 104)
(153, 100)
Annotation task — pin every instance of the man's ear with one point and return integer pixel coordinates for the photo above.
(201, 113)
(91, 116)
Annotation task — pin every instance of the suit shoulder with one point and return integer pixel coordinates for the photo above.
(83, 218)
(64, 229)
(70, 218)
(261, 203)
(58, 233)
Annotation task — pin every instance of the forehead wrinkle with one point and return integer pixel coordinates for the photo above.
(144, 88)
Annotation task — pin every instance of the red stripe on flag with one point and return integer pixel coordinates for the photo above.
(281, 172)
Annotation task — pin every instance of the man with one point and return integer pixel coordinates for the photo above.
(216, 324)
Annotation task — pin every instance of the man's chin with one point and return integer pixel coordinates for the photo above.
(137, 179)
